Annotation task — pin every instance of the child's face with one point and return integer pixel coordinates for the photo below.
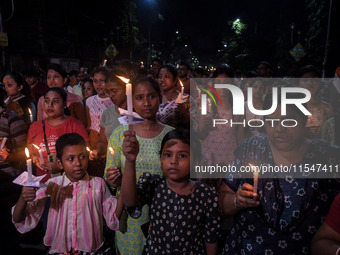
(74, 161)
(146, 101)
(175, 160)
(88, 90)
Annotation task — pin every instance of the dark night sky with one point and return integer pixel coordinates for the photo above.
(201, 23)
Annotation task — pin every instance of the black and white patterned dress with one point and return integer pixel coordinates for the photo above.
(291, 209)
(179, 224)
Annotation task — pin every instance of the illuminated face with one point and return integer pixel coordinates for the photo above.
(116, 93)
(53, 105)
(285, 138)
(166, 80)
(74, 161)
(175, 160)
(55, 79)
(146, 101)
(12, 88)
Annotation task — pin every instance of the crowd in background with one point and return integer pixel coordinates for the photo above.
(40, 105)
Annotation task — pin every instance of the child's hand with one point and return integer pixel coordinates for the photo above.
(50, 167)
(113, 176)
(37, 161)
(130, 145)
(28, 193)
(93, 154)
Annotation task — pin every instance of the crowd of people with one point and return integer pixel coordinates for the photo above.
(113, 188)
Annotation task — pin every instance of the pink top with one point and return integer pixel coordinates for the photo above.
(75, 217)
(96, 107)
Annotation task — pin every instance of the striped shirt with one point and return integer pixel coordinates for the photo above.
(75, 218)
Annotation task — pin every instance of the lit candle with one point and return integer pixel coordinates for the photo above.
(28, 164)
(40, 154)
(128, 94)
(182, 88)
(105, 60)
(31, 116)
(113, 156)
(256, 177)
(3, 143)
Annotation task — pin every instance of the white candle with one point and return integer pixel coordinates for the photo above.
(182, 88)
(31, 116)
(113, 156)
(40, 154)
(105, 60)
(28, 164)
(256, 177)
(3, 143)
(128, 94)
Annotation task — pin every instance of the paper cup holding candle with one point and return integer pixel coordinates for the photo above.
(28, 164)
(256, 177)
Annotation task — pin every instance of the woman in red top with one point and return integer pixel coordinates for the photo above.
(56, 124)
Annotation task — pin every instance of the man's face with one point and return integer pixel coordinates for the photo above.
(182, 71)
(261, 70)
(83, 73)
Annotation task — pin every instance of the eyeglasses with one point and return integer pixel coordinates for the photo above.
(112, 91)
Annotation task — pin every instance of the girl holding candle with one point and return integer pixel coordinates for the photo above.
(170, 112)
(286, 210)
(185, 218)
(19, 96)
(56, 124)
(146, 98)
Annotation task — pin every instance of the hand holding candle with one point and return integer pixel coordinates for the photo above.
(113, 156)
(28, 164)
(40, 154)
(256, 177)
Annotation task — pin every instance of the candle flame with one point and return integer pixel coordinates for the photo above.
(36, 146)
(126, 80)
(110, 149)
(88, 149)
(29, 110)
(254, 169)
(27, 152)
(180, 82)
